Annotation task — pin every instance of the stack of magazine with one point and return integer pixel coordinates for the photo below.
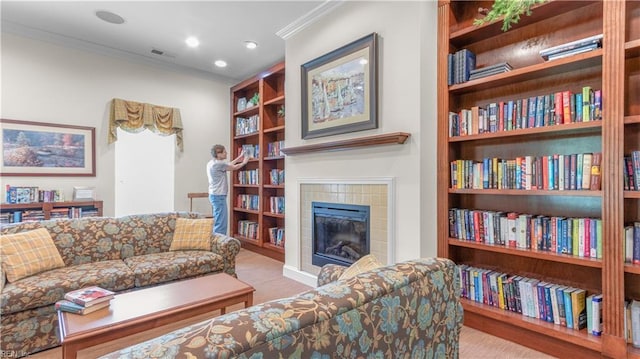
(489, 70)
(85, 300)
(572, 48)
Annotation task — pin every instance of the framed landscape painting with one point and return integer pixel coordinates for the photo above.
(46, 149)
(340, 89)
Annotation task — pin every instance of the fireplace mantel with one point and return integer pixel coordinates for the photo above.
(384, 139)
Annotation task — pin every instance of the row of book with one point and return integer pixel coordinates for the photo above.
(276, 236)
(580, 237)
(632, 243)
(460, 65)
(85, 300)
(572, 48)
(276, 205)
(579, 171)
(21, 194)
(38, 215)
(248, 201)
(276, 176)
(566, 306)
(246, 126)
(489, 70)
(536, 111)
(253, 151)
(249, 177)
(273, 149)
(631, 172)
(248, 229)
(632, 322)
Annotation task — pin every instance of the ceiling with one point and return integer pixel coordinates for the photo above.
(221, 26)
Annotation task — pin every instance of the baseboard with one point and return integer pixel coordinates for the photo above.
(297, 275)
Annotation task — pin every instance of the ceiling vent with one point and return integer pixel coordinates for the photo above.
(159, 52)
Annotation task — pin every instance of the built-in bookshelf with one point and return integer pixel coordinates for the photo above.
(38, 211)
(611, 73)
(257, 192)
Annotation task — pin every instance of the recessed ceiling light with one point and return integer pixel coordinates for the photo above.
(220, 63)
(110, 17)
(192, 41)
(250, 44)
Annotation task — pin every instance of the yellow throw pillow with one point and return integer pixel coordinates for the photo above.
(362, 265)
(27, 253)
(192, 234)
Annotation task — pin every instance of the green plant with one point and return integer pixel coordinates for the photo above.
(280, 112)
(255, 99)
(510, 10)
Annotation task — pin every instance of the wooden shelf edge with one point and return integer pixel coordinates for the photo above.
(274, 186)
(384, 139)
(528, 192)
(276, 100)
(521, 252)
(632, 48)
(274, 247)
(631, 194)
(247, 135)
(631, 119)
(536, 325)
(632, 268)
(274, 129)
(245, 210)
(274, 215)
(530, 131)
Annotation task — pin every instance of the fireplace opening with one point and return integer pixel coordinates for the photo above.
(340, 233)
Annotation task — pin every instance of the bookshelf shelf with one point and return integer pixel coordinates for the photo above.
(628, 120)
(564, 258)
(275, 101)
(632, 268)
(274, 129)
(248, 135)
(580, 337)
(533, 72)
(48, 207)
(269, 85)
(238, 209)
(274, 215)
(523, 192)
(632, 194)
(569, 128)
(612, 70)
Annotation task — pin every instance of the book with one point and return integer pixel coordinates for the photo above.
(89, 296)
(71, 307)
(577, 44)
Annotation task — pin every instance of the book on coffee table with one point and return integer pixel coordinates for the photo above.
(89, 296)
(71, 307)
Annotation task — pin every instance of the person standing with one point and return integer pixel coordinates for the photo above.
(217, 169)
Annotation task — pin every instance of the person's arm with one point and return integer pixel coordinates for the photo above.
(232, 166)
(238, 159)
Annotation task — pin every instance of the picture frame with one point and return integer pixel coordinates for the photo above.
(84, 193)
(46, 149)
(340, 90)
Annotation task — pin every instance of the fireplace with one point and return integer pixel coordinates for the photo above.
(340, 233)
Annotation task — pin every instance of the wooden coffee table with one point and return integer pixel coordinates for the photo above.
(148, 308)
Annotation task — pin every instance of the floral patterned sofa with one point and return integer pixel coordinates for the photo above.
(408, 310)
(119, 254)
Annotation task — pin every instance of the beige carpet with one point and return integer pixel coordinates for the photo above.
(265, 275)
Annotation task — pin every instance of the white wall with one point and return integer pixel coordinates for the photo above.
(407, 92)
(48, 83)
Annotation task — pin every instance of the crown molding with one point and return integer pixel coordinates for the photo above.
(309, 18)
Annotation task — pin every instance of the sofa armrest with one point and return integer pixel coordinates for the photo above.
(330, 273)
(228, 248)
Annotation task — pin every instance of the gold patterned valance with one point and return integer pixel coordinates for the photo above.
(135, 117)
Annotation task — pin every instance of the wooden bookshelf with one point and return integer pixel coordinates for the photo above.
(271, 128)
(550, 24)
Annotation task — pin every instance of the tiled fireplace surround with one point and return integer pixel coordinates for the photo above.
(376, 193)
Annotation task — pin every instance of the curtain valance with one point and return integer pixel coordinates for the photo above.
(135, 117)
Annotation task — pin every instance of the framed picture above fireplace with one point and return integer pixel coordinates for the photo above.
(340, 90)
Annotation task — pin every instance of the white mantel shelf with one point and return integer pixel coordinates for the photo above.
(384, 139)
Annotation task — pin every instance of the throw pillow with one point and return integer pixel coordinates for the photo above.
(27, 253)
(362, 265)
(192, 234)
